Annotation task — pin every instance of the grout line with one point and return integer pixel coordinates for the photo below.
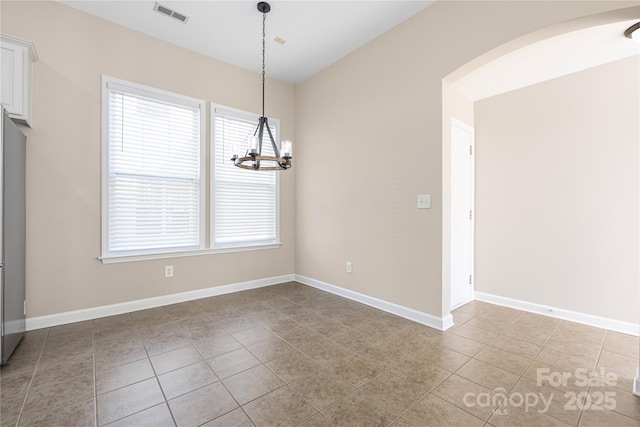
(95, 379)
(33, 375)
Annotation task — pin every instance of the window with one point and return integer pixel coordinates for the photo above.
(153, 170)
(244, 203)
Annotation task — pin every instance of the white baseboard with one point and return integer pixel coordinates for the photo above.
(129, 306)
(439, 323)
(560, 313)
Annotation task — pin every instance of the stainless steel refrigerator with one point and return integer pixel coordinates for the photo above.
(12, 236)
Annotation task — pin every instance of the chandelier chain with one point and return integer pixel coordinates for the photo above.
(264, 35)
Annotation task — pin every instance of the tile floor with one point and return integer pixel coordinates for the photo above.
(293, 355)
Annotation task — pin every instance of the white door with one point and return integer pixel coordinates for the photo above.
(461, 213)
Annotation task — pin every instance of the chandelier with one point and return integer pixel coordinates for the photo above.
(633, 32)
(253, 158)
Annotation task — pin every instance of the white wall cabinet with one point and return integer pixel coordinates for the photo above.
(16, 64)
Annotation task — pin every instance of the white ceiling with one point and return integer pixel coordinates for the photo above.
(317, 33)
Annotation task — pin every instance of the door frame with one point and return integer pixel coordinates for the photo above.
(465, 127)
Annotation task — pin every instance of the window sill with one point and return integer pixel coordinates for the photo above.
(197, 252)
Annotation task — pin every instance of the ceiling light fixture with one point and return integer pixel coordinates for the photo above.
(253, 158)
(633, 32)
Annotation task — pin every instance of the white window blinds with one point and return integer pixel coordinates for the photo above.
(155, 187)
(245, 202)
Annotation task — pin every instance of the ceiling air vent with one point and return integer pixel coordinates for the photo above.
(167, 11)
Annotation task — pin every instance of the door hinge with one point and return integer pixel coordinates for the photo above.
(470, 215)
(471, 150)
(469, 279)
(24, 308)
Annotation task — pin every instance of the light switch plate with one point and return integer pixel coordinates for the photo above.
(424, 201)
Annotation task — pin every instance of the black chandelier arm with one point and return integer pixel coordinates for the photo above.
(273, 142)
(261, 124)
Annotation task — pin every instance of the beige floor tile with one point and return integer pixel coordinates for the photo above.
(462, 345)
(322, 388)
(60, 392)
(325, 351)
(237, 323)
(357, 410)
(118, 353)
(476, 334)
(516, 346)
(252, 383)
(503, 359)
(422, 372)
(156, 416)
(202, 405)
(384, 355)
(235, 418)
(251, 341)
(560, 379)
(356, 370)
(123, 375)
(524, 332)
(624, 367)
(442, 358)
(615, 342)
(151, 317)
(13, 390)
(215, 345)
(252, 335)
(486, 323)
(460, 317)
(620, 401)
(316, 421)
(545, 399)
(567, 342)
(233, 362)
(298, 335)
(160, 339)
(128, 400)
(184, 380)
(487, 375)
(469, 396)
(355, 340)
(395, 393)
(270, 349)
(433, 411)
(175, 359)
(282, 407)
(600, 418)
(565, 361)
(512, 414)
(293, 366)
(81, 413)
(580, 329)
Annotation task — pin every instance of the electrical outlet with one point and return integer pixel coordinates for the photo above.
(168, 271)
(424, 201)
(349, 267)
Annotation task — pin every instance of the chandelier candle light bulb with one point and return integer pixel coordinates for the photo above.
(285, 149)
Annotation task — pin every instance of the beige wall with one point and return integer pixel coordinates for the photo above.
(63, 166)
(369, 140)
(557, 175)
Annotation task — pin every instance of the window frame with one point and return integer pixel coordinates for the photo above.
(110, 83)
(253, 117)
